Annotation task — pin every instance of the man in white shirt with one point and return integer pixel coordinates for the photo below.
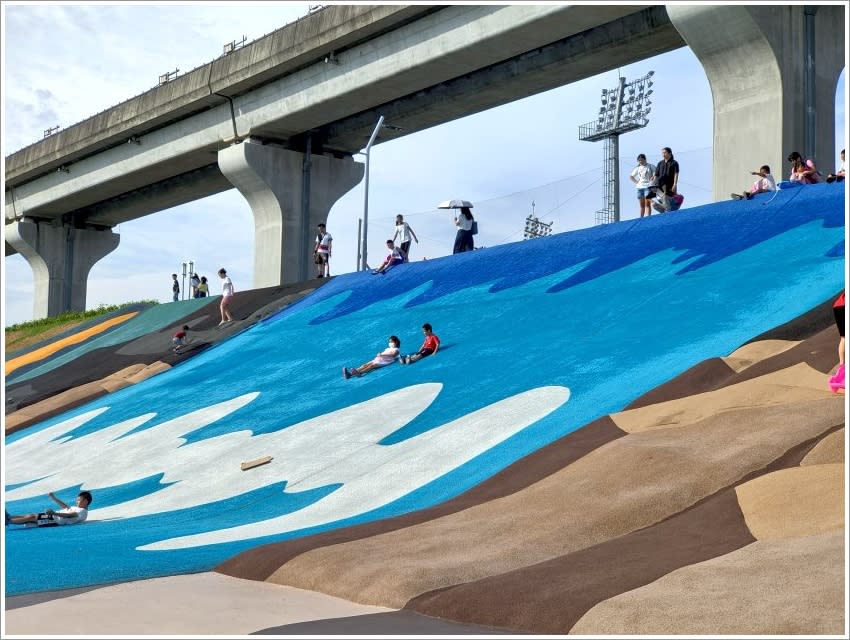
(51, 518)
(322, 251)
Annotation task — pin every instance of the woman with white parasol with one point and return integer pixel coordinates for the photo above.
(464, 223)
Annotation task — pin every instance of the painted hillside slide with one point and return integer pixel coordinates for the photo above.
(539, 339)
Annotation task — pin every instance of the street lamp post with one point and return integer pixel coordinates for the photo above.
(620, 113)
(191, 274)
(365, 240)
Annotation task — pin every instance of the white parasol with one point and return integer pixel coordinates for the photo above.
(454, 204)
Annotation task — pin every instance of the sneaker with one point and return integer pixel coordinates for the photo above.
(404, 359)
(830, 179)
(736, 196)
(345, 373)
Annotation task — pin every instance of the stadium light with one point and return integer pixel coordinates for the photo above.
(624, 108)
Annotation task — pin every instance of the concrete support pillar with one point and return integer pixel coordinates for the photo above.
(758, 60)
(273, 182)
(61, 257)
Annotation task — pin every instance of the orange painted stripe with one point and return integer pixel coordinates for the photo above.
(48, 350)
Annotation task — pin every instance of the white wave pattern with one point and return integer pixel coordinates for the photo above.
(336, 448)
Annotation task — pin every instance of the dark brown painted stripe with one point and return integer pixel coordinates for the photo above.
(550, 597)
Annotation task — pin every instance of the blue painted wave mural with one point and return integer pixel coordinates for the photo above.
(538, 338)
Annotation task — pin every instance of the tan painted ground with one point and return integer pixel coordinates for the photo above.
(82, 393)
(196, 604)
(753, 352)
(829, 450)
(794, 502)
(791, 385)
(624, 485)
(771, 587)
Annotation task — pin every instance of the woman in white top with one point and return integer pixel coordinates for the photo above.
(227, 292)
(464, 240)
(403, 232)
(642, 175)
(381, 359)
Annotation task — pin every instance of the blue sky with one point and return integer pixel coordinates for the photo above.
(64, 63)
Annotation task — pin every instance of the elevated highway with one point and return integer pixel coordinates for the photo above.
(280, 119)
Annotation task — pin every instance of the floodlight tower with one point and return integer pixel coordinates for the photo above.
(535, 228)
(624, 108)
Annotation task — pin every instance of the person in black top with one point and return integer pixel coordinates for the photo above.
(667, 175)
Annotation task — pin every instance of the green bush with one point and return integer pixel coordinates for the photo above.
(46, 323)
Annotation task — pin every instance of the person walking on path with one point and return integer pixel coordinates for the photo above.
(667, 178)
(464, 240)
(403, 232)
(642, 176)
(175, 287)
(322, 252)
(429, 346)
(381, 359)
(765, 183)
(51, 518)
(227, 292)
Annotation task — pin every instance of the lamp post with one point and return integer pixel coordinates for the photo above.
(365, 240)
(620, 113)
(191, 274)
(184, 282)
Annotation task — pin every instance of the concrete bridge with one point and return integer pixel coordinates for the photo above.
(281, 118)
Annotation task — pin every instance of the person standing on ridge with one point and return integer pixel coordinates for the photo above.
(322, 252)
(227, 292)
(667, 176)
(195, 281)
(403, 232)
(642, 176)
(464, 240)
(175, 287)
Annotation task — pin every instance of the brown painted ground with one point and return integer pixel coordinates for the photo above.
(713, 504)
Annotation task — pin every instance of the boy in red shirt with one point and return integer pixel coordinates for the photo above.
(429, 346)
(180, 338)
